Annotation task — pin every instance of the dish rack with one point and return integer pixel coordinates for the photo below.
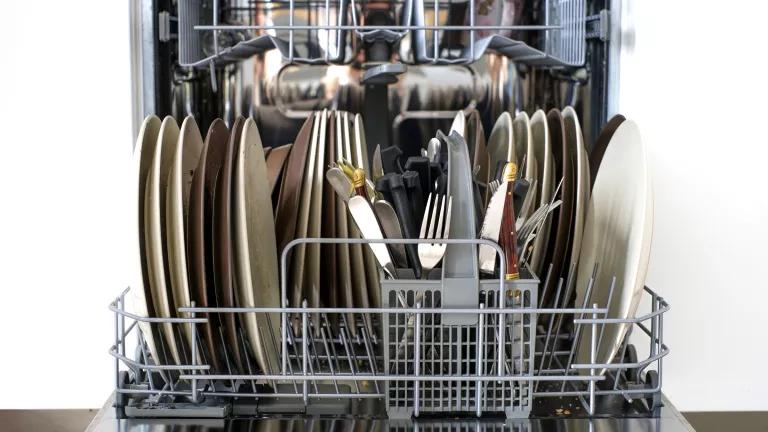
(329, 32)
(413, 356)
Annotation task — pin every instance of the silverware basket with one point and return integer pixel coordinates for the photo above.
(422, 345)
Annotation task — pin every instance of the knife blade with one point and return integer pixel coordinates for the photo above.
(378, 167)
(365, 219)
(390, 224)
(491, 228)
(340, 183)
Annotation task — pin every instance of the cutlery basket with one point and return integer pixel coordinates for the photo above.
(424, 346)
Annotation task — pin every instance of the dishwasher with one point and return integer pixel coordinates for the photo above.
(438, 346)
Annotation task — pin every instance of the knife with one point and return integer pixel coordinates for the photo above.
(391, 227)
(508, 234)
(365, 219)
(490, 230)
(377, 169)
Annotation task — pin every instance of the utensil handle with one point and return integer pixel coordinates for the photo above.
(508, 234)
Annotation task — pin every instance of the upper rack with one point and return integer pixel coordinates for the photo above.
(418, 31)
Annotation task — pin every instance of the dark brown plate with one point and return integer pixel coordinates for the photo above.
(596, 155)
(290, 191)
(560, 231)
(200, 237)
(276, 159)
(222, 246)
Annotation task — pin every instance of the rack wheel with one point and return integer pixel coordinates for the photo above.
(630, 356)
(121, 399)
(653, 400)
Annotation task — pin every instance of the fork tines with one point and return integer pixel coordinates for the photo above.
(435, 225)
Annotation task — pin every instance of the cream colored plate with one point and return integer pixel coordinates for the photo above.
(302, 221)
(360, 155)
(545, 162)
(500, 144)
(573, 136)
(156, 233)
(343, 253)
(312, 275)
(357, 260)
(256, 249)
(524, 146)
(139, 300)
(185, 160)
(617, 237)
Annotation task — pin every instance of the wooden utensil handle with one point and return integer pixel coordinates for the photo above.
(508, 235)
(358, 182)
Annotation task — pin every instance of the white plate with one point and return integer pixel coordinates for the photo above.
(343, 253)
(312, 275)
(500, 144)
(298, 260)
(185, 160)
(617, 237)
(156, 232)
(256, 249)
(360, 153)
(574, 137)
(140, 297)
(357, 261)
(545, 162)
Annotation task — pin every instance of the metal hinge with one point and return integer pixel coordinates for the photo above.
(598, 25)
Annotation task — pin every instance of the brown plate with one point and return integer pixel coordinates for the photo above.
(560, 231)
(598, 151)
(222, 245)
(200, 238)
(290, 190)
(328, 294)
(275, 162)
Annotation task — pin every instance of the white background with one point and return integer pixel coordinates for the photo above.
(693, 79)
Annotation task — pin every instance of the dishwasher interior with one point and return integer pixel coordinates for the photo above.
(413, 357)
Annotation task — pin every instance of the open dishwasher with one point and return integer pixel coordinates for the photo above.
(464, 342)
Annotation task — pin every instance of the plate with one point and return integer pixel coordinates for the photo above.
(344, 257)
(298, 261)
(500, 146)
(200, 238)
(223, 259)
(560, 231)
(140, 297)
(596, 156)
(276, 160)
(288, 200)
(524, 148)
(255, 250)
(360, 153)
(329, 297)
(183, 165)
(314, 227)
(156, 233)
(542, 148)
(575, 141)
(617, 237)
(357, 261)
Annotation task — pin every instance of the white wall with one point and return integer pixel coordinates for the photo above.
(694, 80)
(65, 112)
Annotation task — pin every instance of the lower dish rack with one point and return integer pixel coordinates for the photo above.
(413, 356)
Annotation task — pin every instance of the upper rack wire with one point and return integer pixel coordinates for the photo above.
(425, 31)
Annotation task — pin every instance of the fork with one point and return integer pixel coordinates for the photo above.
(493, 186)
(430, 254)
